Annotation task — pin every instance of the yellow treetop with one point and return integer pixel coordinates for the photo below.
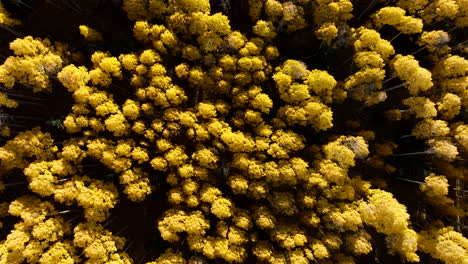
(264, 218)
(209, 194)
(356, 144)
(206, 158)
(99, 77)
(137, 185)
(288, 235)
(286, 172)
(429, 128)
(297, 256)
(32, 210)
(5, 101)
(189, 6)
(283, 203)
(169, 257)
(117, 124)
(262, 102)
(461, 20)
(251, 63)
(311, 112)
(443, 148)
(384, 212)
(449, 106)
(264, 29)
(327, 32)
(5, 18)
(98, 243)
(293, 17)
(435, 41)
(141, 10)
(444, 243)
(322, 84)
(32, 143)
(113, 155)
(129, 61)
(74, 124)
(345, 149)
(388, 216)
(34, 61)
(273, 10)
(294, 68)
(15, 244)
(416, 78)
(332, 172)
(262, 250)
(366, 85)
(395, 16)
(370, 40)
(452, 75)
(131, 109)
(439, 10)
(177, 221)
(405, 244)
(105, 67)
(237, 141)
(176, 156)
(39, 228)
(236, 40)
(421, 107)
(43, 176)
(358, 243)
(319, 250)
(285, 142)
(343, 218)
(242, 219)
(222, 207)
(147, 57)
(94, 196)
(60, 252)
(412, 6)
(90, 34)
(461, 135)
(51, 230)
(73, 77)
(371, 59)
(332, 11)
(436, 185)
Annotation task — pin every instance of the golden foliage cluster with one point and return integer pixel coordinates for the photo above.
(250, 151)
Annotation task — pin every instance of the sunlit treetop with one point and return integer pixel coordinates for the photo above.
(416, 78)
(5, 18)
(90, 34)
(444, 243)
(435, 41)
(370, 40)
(34, 61)
(395, 16)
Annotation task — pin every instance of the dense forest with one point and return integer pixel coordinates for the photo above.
(244, 131)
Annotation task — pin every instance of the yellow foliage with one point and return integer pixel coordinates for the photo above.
(90, 34)
(395, 16)
(34, 61)
(444, 243)
(417, 79)
(5, 18)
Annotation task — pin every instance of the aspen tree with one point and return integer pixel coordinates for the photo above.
(33, 61)
(90, 34)
(443, 243)
(395, 16)
(5, 17)
(416, 78)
